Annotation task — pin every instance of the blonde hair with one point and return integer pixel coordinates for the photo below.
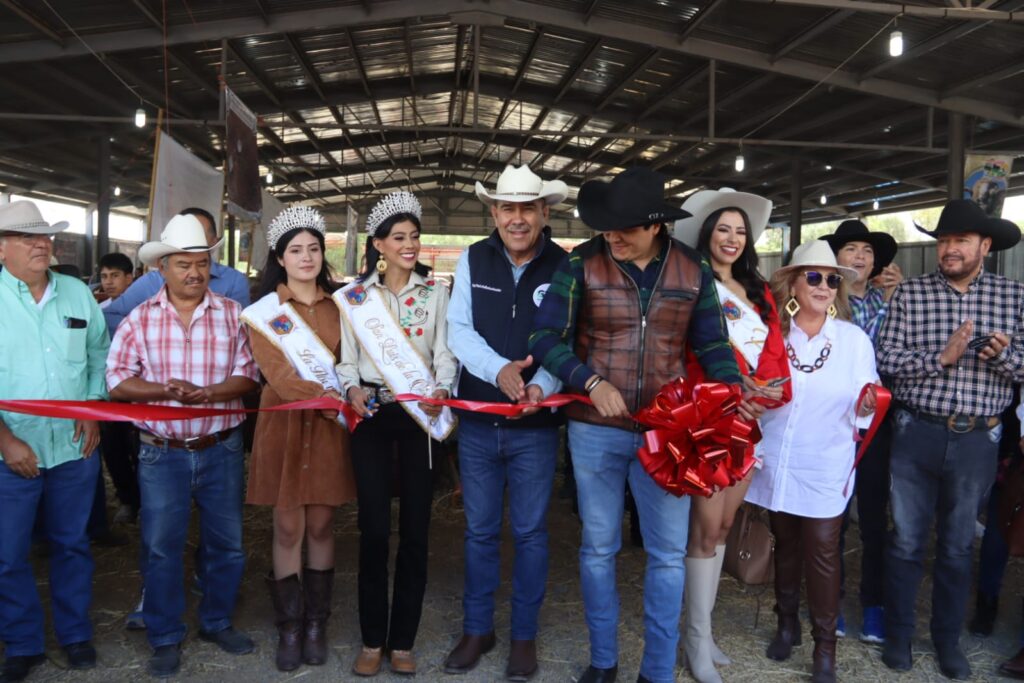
(782, 283)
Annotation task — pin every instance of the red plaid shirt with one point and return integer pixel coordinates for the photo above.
(153, 344)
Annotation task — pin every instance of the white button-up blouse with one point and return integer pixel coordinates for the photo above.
(807, 447)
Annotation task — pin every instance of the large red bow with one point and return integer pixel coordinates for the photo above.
(698, 444)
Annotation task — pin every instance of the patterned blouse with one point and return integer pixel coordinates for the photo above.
(421, 310)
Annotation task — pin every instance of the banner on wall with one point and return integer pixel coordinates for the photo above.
(242, 159)
(181, 180)
(985, 181)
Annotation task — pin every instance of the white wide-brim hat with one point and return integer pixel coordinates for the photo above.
(704, 203)
(23, 216)
(816, 254)
(523, 185)
(184, 233)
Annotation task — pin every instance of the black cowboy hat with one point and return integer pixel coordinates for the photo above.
(963, 215)
(634, 197)
(853, 230)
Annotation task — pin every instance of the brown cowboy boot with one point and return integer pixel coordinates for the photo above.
(318, 584)
(786, 529)
(286, 595)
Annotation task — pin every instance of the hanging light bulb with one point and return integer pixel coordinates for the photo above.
(895, 43)
(117, 190)
(575, 213)
(140, 118)
(740, 163)
(824, 199)
(875, 205)
(270, 177)
(828, 167)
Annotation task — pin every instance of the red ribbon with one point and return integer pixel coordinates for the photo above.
(699, 443)
(882, 400)
(496, 408)
(110, 411)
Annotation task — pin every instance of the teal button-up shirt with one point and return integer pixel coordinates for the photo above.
(54, 351)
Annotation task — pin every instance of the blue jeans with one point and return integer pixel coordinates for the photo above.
(169, 480)
(994, 552)
(489, 457)
(604, 458)
(68, 490)
(941, 475)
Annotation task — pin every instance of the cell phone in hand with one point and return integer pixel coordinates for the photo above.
(978, 343)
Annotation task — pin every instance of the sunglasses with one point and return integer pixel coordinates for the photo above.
(814, 279)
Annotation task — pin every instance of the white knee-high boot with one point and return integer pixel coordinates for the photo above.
(700, 596)
(717, 656)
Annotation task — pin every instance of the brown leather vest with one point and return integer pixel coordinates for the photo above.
(637, 353)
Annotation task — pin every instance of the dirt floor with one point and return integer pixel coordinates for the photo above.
(743, 619)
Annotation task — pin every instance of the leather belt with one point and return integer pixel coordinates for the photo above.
(958, 424)
(195, 443)
(381, 392)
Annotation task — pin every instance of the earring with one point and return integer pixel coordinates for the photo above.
(832, 311)
(792, 307)
(382, 265)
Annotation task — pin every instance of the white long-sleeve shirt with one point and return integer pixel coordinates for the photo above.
(807, 447)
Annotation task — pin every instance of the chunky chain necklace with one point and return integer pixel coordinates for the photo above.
(818, 362)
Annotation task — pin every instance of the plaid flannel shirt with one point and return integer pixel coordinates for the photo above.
(152, 343)
(923, 313)
(869, 311)
(554, 326)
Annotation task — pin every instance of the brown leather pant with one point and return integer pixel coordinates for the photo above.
(804, 545)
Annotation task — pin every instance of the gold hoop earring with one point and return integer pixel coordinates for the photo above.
(382, 265)
(832, 311)
(792, 307)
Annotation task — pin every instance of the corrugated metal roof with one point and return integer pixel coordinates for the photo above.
(546, 69)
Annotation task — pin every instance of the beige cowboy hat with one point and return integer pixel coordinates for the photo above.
(184, 233)
(23, 216)
(816, 254)
(522, 185)
(704, 203)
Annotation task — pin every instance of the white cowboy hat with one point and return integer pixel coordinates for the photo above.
(184, 233)
(704, 203)
(816, 254)
(23, 216)
(523, 185)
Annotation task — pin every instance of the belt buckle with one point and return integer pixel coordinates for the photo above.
(385, 395)
(190, 441)
(960, 424)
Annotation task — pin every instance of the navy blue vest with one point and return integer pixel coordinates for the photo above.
(503, 315)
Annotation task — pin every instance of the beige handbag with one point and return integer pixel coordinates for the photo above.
(750, 548)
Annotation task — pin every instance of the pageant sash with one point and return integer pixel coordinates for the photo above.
(404, 370)
(287, 331)
(747, 332)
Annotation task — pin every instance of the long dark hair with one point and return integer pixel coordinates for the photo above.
(274, 273)
(372, 255)
(744, 270)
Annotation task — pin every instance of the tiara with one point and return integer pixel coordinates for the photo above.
(394, 203)
(294, 217)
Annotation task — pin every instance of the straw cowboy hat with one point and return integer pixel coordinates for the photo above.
(816, 254)
(634, 197)
(963, 215)
(23, 216)
(853, 230)
(704, 203)
(522, 185)
(184, 233)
